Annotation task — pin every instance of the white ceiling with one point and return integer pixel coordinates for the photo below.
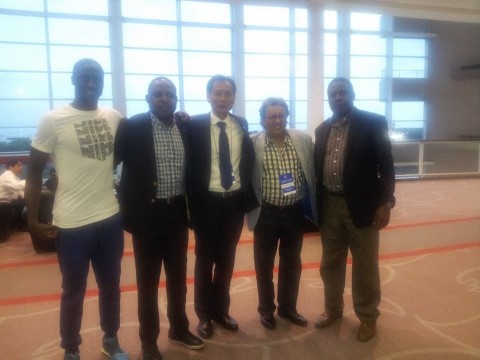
(453, 10)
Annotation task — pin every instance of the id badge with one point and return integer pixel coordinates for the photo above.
(287, 184)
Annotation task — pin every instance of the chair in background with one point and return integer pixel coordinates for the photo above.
(6, 218)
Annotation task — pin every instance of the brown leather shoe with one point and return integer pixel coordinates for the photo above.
(227, 322)
(367, 330)
(205, 329)
(327, 319)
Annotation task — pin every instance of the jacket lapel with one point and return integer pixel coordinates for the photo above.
(145, 133)
(321, 144)
(352, 135)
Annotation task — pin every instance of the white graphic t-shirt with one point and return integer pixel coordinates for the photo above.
(81, 146)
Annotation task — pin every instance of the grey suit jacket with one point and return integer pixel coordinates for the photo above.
(304, 147)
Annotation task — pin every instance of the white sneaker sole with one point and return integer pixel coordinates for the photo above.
(191, 347)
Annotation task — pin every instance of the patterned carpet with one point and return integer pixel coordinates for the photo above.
(430, 271)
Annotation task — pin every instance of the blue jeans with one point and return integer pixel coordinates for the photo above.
(100, 243)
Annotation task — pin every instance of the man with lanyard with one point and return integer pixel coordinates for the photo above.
(284, 176)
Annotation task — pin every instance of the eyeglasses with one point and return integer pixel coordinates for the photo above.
(275, 117)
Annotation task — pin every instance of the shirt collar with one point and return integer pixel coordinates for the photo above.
(161, 124)
(214, 119)
(341, 121)
(285, 141)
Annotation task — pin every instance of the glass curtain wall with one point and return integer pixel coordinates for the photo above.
(365, 48)
(264, 48)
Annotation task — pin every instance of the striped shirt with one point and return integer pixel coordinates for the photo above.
(335, 155)
(275, 163)
(170, 159)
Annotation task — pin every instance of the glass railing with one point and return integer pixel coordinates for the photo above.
(413, 159)
(428, 158)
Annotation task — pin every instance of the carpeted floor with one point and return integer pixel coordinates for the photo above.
(430, 271)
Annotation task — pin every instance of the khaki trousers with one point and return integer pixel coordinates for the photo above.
(339, 235)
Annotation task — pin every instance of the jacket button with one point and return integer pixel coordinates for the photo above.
(152, 201)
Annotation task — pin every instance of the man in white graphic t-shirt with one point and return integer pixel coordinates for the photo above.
(79, 138)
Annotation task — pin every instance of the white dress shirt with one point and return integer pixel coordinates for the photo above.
(235, 136)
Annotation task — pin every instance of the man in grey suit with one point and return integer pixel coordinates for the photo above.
(283, 177)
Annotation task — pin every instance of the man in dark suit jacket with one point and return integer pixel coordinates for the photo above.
(152, 147)
(217, 211)
(355, 186)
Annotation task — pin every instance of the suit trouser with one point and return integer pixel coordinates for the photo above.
(165, 241)
(283, 227)
(339, 234)
(217, 231)
(100, 243)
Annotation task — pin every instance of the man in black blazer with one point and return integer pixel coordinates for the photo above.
(217, 211)
(355, 186)
(152, 147)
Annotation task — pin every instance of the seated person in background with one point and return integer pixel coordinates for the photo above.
(12, 191)
(52, 181)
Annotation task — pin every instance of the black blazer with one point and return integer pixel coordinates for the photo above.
(198, 173)
(368, 172)
(138, 184)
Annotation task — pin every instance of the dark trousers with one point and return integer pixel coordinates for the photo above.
(100, 243)
(18, 221)
(339, 235)
(165, 241)
(217, 232)
(282, 227)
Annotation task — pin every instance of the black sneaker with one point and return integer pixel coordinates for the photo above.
(187, 339)
(151, 352)
(71, 356)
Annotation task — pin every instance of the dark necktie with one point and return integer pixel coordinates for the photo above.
(224, 158)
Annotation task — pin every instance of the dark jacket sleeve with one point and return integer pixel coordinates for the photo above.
(119, 148)
(247, 164)
(386, 170)
(134, 149)
(368, 177)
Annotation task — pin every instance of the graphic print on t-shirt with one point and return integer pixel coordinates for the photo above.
(95, 138)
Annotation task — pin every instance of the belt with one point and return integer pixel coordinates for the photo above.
(169, 201)
(339, 194)
(266, 205)
(224, 194)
